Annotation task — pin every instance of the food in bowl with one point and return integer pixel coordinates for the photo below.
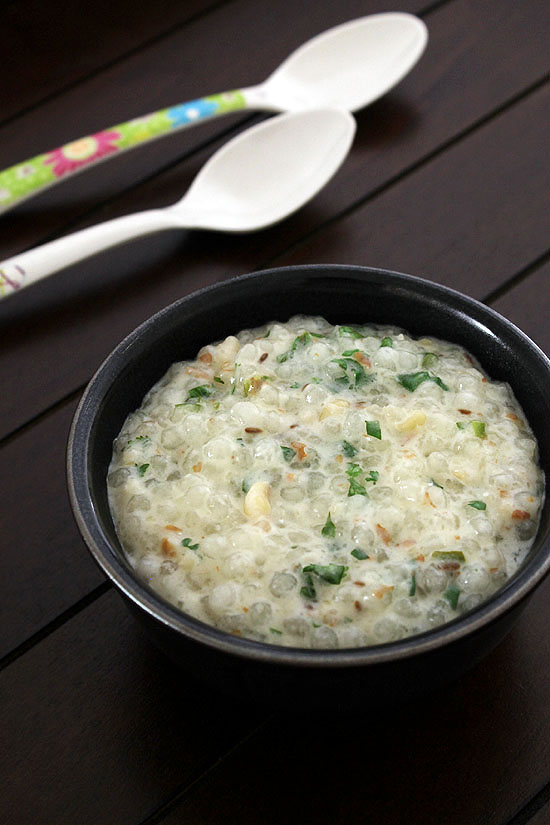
(323, 486)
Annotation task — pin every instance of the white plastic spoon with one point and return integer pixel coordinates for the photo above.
(256, 179)
(348, 67)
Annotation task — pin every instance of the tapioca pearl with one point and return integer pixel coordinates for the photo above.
(226, 351)
(149, 566)
(492, 558)
(428, 390)
(247, 414)
(191, 426)
(297, 626)
(118, 477)
(386, 630)
(381, 494)
(437, 613)
(410, 490)
(196, 496)
(473, 578)
(316, 353)
(362, 536)
(320, 506)
(468, 381)
(274, 422)
(315, 482)
(407, 608)
(384, 357)
(331, 427)
(351, 636)
(406, 359)
(340, 485)
(172, 438)
(266, 451)
(282, 584)
(248, 354)
(438, 464)
(239, 565)
(527, 445)
(471, 601)
(315, 394)
(268, 395)
(467, 400)
(221, 598)
(437, 496)
(139, 502)
(233, 623)
(353, 427)
(219, 450)
(482, 526)
(324, 637)
(159, 464)
(260, 613)
(431, 579)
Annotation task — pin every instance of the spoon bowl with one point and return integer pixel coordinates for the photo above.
(346, 67)
(257, 179)
(350, 65)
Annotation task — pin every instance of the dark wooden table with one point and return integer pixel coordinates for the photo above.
(448, 179)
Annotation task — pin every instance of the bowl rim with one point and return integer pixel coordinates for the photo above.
(518, 588)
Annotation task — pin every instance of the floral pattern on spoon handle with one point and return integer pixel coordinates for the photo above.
(31, 176)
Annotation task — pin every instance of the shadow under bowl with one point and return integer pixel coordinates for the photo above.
(342, 294)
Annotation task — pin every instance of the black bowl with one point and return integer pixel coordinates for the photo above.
(342, 294)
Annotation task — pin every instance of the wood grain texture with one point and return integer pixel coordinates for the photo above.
(47, 48)
(467, 755)
(102, 727)
(528, 306)
(44, 565)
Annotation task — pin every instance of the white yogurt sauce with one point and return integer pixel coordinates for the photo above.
(326, 486)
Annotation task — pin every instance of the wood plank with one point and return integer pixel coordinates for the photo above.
(471, 218)
(45, 50)
(472, 753)
(97, 727)
(44, 565)
(117, 290)
(528, 306)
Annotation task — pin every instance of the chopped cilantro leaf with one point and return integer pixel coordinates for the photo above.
(479, 429)
(200, 392)
(288, 453)
(373, 429)
(294, 386)
(330, 573)
(373, 476)
(348, 449)
(435, 484)
(218, 379)
(349, 352)
(413, 380)
(299, 341)
(359, 554)
(349, 331)
(245, 486)
(412, 588)
(142, 468)
(451, 594)
(143, 440)
(449, 555)
(329, 529)
(477, 505)
(356, 489)
(308, 590)
(460, 425)
(187, 543)
(274, 630)
(386, 342)
(354, 374)
(429, 359)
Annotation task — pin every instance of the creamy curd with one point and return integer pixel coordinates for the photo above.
(326, 486)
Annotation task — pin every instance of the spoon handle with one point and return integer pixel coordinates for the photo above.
(28, 267)
(30, 177)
